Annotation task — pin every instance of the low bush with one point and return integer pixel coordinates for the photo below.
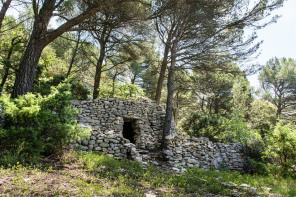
(256, 167)
(37, 125)
(281, 148)
(200, 125)
(78, 89)
(230, 129)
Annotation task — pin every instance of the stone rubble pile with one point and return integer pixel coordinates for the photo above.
(106, 118)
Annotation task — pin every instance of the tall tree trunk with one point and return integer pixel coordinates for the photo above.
(162, 73)
(169, 102)
(4, 8)
(99, 68)
(26, 73)
(74, 54)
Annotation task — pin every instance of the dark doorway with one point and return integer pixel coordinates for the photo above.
(129, 130)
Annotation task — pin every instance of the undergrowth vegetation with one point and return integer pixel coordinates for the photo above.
(37, 125)
(90, 174)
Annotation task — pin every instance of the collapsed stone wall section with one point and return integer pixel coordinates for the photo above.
(185, 151)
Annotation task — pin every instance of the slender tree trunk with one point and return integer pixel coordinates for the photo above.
(169, 102)
(7, 66)
(202, 104)
(279, 107)
(113, 86)
(98, 75)
(133, 80)
(216, 105)
(162, 73)
(6, 71)
(4, 8)
(176, 108)
(103, 39)
(74, 55)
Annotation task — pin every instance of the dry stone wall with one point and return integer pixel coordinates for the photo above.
(185, 151)
(120, 127)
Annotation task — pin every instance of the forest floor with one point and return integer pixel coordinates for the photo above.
(89, 174)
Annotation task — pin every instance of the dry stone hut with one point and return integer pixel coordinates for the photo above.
(120, 128)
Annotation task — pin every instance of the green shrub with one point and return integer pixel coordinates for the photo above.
(36, 125)
(78, 89)
(281, 148)
(237, 130)
(256, 167)
(199, 125)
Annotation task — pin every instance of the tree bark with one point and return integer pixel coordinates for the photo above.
(216, 105)
(26, 73)
(98, 75)
(133, 80)
(4, 8)
(169, 102)
(99, 68)
(6, 71)
(279, 107)
(176, 108)
(162, 73)
(74, 55)
(7, 65)
(113, 85)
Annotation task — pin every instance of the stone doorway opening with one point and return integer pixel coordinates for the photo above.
(130, 130)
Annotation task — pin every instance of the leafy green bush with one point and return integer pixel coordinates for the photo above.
(230, 129)
(281, 148)
(199, 125)
(36, 125)
(256, 167)
(237, 130)
(78, 89)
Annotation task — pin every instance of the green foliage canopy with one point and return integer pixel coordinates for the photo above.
(278, 80)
